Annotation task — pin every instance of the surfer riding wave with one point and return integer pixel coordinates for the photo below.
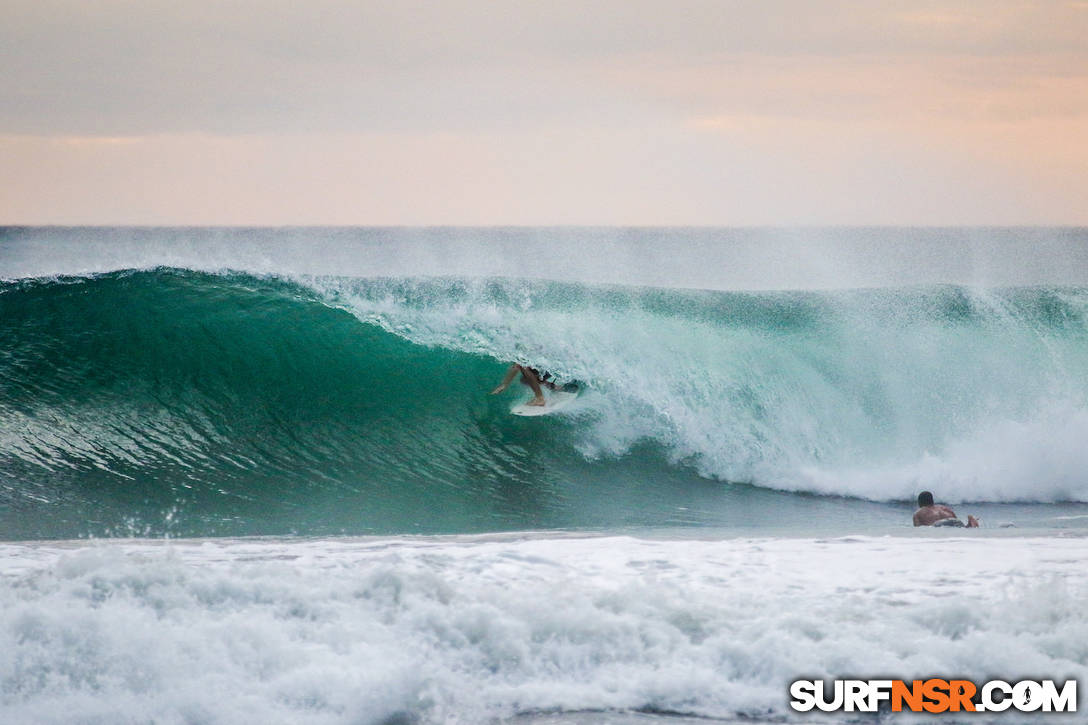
(531, 377)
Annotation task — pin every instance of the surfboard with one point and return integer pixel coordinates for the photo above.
(553, 402)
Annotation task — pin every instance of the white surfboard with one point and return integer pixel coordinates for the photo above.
(554, 401)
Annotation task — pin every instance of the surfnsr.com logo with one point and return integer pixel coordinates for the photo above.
(934, 695)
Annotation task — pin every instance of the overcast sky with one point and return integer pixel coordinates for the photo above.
(779, 112)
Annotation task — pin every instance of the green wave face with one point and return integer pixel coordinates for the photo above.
(233, 404)
(172, 401)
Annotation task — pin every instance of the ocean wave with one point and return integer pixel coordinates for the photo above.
(221, 392)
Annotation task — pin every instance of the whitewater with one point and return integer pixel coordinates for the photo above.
(255, 474)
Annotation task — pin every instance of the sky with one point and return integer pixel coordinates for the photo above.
(612, 112)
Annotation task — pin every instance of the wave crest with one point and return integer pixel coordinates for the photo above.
(245, 398)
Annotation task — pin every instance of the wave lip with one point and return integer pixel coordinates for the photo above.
(868, 393)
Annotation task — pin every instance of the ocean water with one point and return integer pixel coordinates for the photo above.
(255, 474)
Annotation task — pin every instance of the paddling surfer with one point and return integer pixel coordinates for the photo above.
(931, 514)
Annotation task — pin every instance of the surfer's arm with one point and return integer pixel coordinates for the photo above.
(514, 370)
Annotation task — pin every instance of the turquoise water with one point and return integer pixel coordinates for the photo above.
(190, 401)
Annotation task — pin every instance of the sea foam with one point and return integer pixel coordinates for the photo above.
(464, 630)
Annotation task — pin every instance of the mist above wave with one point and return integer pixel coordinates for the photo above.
(692, 258)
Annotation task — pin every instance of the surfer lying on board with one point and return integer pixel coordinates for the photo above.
(529, 376)
(931, 514)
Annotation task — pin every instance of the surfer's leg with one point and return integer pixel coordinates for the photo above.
(514, 370)
(538, 395)
(972, 522)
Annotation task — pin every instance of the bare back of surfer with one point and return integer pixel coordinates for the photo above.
(529, 376)
(929, 513)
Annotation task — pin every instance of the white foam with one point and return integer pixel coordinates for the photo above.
(464, 630)
(1042, 458)
(877, 400)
